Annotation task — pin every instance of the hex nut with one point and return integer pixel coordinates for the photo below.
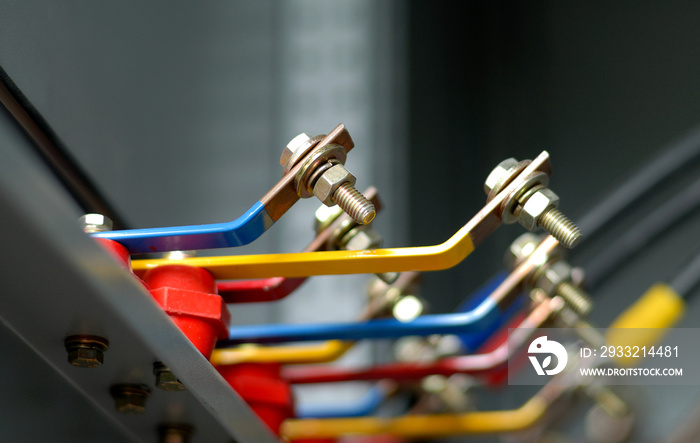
(499, 173)
(361, 238)
(130, 398)
(552, 276)
(521, 249)
(330, 181)
(166, 379)
(292, 147)
(86, 351)
(86, 357)
(95, 223)
(325, 216)
(175, 432)
(538, 203)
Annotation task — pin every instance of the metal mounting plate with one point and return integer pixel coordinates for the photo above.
(57, 282)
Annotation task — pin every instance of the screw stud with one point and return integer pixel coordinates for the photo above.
(534, 193)
(326, 165)
(575, 297)
(560, 227)
(354, 203)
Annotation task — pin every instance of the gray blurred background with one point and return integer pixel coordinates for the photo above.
(178, 111)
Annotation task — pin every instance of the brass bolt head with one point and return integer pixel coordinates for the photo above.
(361, 238)
(175, 433)
(521, 249)
(538, 203)
(95, 223)
(86, 351)
(297, 148)
(325, 215)
(499, 173)
(330, 181)
(554, 275)
(130, 398)
(292, 147)
(86, 357)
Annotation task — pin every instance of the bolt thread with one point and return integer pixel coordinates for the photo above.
(575, 297)
(589, 334)
(354, 204)
(560, 227)
(609, 401)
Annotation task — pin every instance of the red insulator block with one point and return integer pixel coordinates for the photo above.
(188, 295)
(262, 387)
(117, 250)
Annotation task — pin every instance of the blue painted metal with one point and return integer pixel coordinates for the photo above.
(365, 405)
(483, 316)
(473, 341)
(239, 232)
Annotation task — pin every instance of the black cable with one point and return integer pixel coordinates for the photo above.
(675, 156)
(688, 278)
(52, 151)
(660, 220)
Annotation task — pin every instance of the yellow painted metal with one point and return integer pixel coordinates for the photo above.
(646, 321)
(421, 258)
(413, 426)
(322, 353)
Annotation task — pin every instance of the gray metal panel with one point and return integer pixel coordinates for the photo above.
(57, 282)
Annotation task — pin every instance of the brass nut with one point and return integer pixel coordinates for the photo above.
(297, 148)
(325, 216)
(315, 164)
(130, 398)
(521, 248)
(499, 174)
(330, 181)
(86, 351)
(291, 148)
(175, 432)
(166, 379)
(536, 205)
(552, 276)
(361, 238)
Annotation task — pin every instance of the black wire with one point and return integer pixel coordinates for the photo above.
(675, 156)
(688, 278)
(660, 220)
(54, 154)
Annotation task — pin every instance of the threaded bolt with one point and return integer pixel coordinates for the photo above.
(589, 334)
(354, 203)
(560, 227)
(582, 328)
(575, 297)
